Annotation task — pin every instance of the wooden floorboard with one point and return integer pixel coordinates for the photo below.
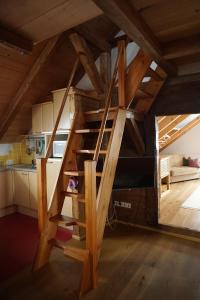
(171, 212)
(135, 264)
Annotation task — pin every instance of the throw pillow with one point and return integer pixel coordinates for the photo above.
(194, 163)
(185, 162)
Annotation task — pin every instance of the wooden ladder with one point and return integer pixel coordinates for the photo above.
(91, 156)
(95, 178)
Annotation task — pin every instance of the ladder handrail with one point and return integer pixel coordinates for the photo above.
(61, 108)
(107, 106)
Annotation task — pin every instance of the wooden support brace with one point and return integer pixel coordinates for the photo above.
(122, 73)
(42, 193)
(91, 226)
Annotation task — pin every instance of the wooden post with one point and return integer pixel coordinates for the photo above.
(105, 72)
(91, 218)
(42, 192)
(122, 73)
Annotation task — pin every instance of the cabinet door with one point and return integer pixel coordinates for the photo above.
(53, 168)
(68, 112)
(9, 187)
(21, 192)
(2, 190)
(47, 117)
(33, 190)
(37, 118)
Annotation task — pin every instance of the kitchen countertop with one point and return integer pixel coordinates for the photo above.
(19, 167)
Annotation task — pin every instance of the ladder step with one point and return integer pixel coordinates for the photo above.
(76, 253)
(97, 111)
(151, 73)
(96, 116)
(75, 196)
(79, 173)
(84, 151)
(142, 94)
(67, 221)
(92, 130)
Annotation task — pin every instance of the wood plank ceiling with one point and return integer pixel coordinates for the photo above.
(27, 22)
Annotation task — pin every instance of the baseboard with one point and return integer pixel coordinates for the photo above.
(27, 211)
(8, 210)
(163, 230)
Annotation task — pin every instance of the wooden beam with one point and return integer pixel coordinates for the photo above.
(166, 122)
(87, 61)
(10, 39)
(136, 72)
(105, 73)
(122, 73)
(123, 14)
(181, 132)
(94, 39)
(152, 88)
(135, 135)
(183, 47)
(171, 125)
(18, 100)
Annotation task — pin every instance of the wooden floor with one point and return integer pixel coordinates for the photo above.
(135, 264)
(171, 212)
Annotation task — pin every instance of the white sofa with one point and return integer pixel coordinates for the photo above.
(178, 172)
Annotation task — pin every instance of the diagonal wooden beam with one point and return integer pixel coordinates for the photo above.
(18, 98)
(181, 132)
(124, 15)
(136, 72)
(10, 39)
(152, 88)
(87, 60)
(135, 135)
(172, 125)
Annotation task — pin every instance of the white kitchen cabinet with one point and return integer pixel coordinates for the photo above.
(6, 188)
(9, 187)
(33, 190)
(37, 118)
(21, 191)
(53, 168)
(52, 171)
(47, 117)
(67, 115)
(2, 190)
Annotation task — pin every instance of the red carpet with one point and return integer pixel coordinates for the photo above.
(18, 243)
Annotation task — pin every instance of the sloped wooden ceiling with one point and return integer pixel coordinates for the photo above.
(168, 30)
(14, 66)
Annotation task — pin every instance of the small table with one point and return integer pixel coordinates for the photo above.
(165, 170)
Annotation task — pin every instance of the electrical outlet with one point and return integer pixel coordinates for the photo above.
(123, 204)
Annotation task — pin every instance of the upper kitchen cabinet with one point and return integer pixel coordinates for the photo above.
(37, 118)
(77, 100)
(47, 117)
(44, 115)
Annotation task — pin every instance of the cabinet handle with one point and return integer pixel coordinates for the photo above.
(24, 173)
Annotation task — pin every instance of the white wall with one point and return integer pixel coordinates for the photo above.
(188, 144)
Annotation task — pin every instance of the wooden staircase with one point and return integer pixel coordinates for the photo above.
(95, 173)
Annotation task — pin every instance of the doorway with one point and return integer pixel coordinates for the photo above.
(179, 170)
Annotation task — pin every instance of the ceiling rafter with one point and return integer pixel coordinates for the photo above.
(87, 60)
(123, 14)
(18, 99)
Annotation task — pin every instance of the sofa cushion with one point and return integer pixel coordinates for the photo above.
(178, 171)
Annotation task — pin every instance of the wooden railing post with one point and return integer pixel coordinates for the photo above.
(42, 192)
(122, 73)
(91, 218)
